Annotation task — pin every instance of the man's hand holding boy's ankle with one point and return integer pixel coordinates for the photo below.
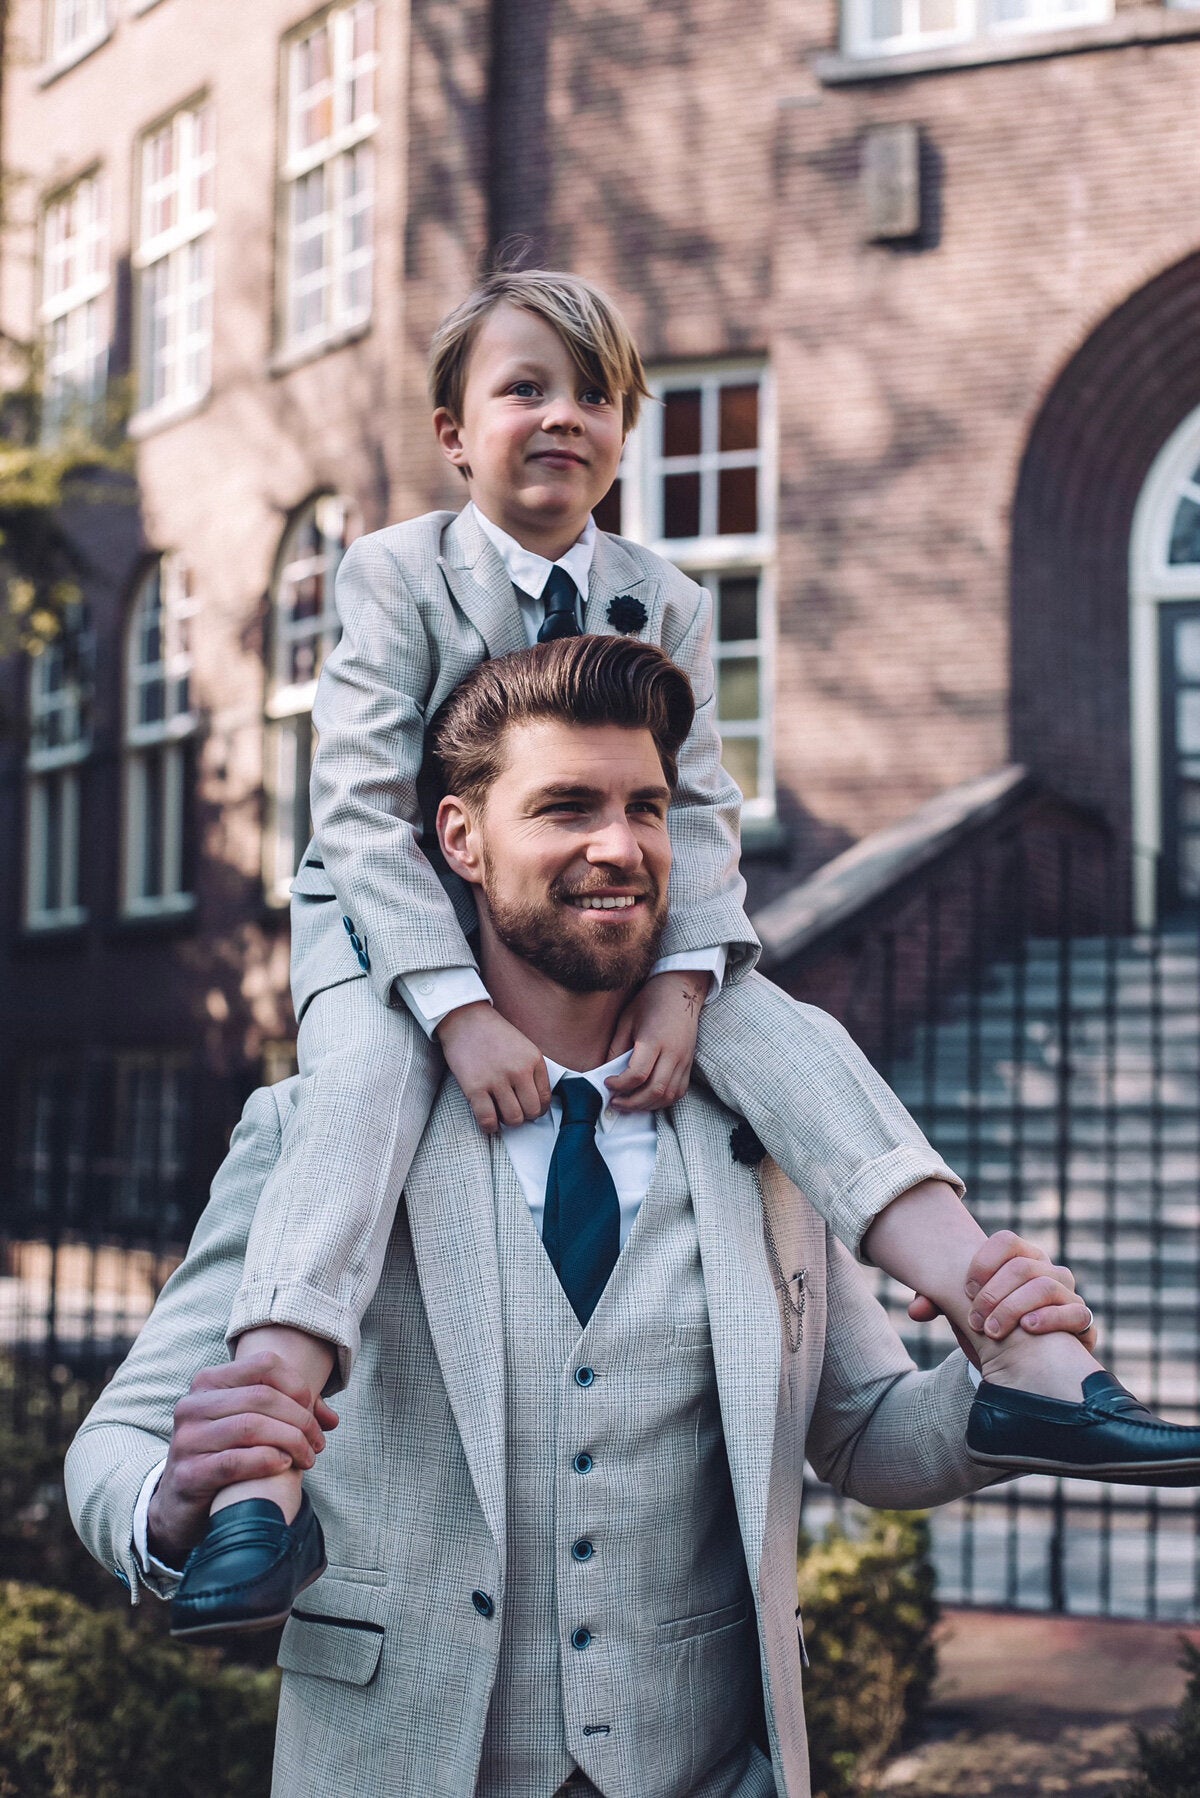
(502, 1073)
(659, 1024)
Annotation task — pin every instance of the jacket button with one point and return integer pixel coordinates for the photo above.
(355, 941)
(580, 1638)
(364, 961)
(583, 1463)
(349, 923)
(584, 1376)
(483, 1603)
(582, 1550)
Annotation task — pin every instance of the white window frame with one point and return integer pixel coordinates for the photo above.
(93, 23)
(164, 740)
(152, 1100)
(75, 229)
(977, 21)
(289, 703)
(333, 157)
(180, 256)
(710, 555)
(53, 776)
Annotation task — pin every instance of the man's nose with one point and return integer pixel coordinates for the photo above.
(616, 844)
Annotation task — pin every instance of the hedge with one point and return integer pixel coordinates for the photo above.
(1169, 1761)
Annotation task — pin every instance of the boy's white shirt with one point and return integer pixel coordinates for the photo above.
(432, 994)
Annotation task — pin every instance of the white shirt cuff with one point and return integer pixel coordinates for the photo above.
(973, 1373)
(696, 961)
(433, 993)
(156, 1573)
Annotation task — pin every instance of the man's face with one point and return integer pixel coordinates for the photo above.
(573, 852)
(539, 441)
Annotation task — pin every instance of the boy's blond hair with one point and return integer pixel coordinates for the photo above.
(589, 324)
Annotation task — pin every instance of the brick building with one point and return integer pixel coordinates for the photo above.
(917, 281)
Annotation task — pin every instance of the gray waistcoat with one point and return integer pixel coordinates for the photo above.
(628, 1643)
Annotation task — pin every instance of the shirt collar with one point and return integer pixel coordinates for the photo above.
(595, 1077)
(529, 571)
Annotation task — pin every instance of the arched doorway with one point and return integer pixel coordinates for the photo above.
(1164, 647)
(1093, 464)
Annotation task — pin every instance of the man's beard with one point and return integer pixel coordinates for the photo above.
(539, 935)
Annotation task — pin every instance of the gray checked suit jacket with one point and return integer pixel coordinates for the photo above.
(421, 604)
(388, 1667)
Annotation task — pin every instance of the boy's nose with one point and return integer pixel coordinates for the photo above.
(561, 414)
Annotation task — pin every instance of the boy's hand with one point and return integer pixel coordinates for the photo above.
(660, 1021)
(1012, 1282)
(501, 1072)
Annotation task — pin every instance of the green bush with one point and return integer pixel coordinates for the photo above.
(1169, 1762)
(869, 1614)
(94, 1706)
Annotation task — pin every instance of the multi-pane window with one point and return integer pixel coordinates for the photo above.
(152, 1116)
(328, 177)
(875, 27)
(174, 261)
(59, 742)
(303, 628)
(160, 721)
(696, 486)
(76, 26)
(75, 279)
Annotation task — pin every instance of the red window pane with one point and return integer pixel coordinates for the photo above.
(739, 417)
(737, 501)
(608, 513)
(681, 505)
(681, 424)
(737, 609)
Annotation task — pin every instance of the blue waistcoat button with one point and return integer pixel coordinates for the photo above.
(349, 923)
(582, 1550)
(584, 1376)
(583, 1463)
(483, 1604)
(580, 1638)
(364, 961)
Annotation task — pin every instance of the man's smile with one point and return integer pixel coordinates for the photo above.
(604, 901)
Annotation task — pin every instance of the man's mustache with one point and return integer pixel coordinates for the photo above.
(560, 890)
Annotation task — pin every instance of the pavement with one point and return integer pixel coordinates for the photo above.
(1027, 1705)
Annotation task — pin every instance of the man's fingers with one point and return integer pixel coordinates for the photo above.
(201, 1478)
(1073, 1316)
(1006, 1280)
(1031, 1295)
(326, 1416)
(263, 1401)
(1000, 1247)
(265, 1369)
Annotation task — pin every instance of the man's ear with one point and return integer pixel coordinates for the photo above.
(457, 836)
(449, 435)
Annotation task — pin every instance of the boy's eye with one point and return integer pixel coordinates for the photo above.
(595, 396)
(525, 390)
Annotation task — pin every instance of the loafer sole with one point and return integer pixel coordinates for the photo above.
(246, 1626)
(1183, 1471)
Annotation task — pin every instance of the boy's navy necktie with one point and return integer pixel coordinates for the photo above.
(581, 1229)
(559, 596)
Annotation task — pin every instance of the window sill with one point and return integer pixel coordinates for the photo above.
(53, 929)
(70, 59)
(1142, 25)
(284, 361)
(158, 916)
(764, 837)
(148, 423)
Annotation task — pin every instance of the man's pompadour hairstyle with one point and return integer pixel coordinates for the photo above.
(589, 324)
(574, 680)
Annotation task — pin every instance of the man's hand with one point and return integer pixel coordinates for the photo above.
(1011, 1282)
(243, 1421)
(501, 1072)
(660, 1022)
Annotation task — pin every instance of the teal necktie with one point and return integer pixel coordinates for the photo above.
(581, 1228)
(559, 596)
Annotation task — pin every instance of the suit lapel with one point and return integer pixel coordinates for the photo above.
(742, 1308)
(452, 1220)
(479, 582)
(614, 572)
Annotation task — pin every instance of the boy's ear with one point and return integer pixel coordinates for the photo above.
(449, 435)
(456, 834)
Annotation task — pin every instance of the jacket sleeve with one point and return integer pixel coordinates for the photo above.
(707, 889)
(128, 1430)
(881, 1432)
(370, 721)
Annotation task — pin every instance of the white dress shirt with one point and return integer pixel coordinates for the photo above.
(433, 993)
(628, 1143)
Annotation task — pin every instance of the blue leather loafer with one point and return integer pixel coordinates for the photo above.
(1110, 1435)
(248, 1571)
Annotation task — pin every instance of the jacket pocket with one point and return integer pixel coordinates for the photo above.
(343, 1648)
(705, 1623)
(312, 881)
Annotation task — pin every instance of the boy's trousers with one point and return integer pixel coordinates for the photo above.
(369, 1077)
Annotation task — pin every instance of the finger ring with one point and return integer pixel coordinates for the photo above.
(1090, 1321)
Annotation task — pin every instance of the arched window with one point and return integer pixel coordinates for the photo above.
(160, 721)
(303, 628)
(59, 743)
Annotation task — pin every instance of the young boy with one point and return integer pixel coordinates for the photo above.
(536, 383)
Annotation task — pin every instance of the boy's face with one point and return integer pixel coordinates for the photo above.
(538, 441)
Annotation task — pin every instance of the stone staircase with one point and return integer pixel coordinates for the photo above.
(1066, 1091)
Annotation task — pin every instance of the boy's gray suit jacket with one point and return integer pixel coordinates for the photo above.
(388, 1667)
(421, 604)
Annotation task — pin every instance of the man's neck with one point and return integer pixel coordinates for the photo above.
(573, 1029)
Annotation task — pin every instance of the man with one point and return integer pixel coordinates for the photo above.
(562, 1507)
